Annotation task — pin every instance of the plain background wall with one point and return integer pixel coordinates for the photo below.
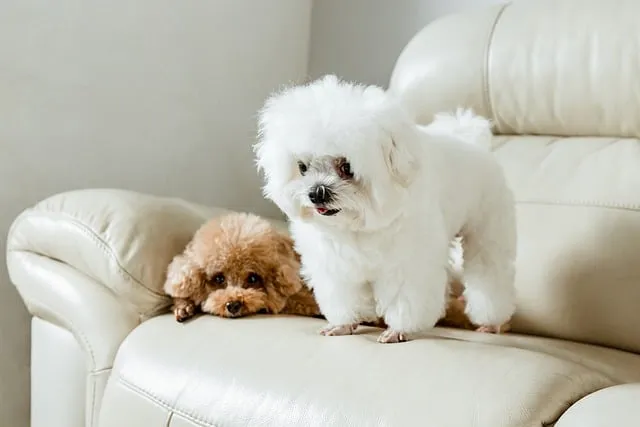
(156, 96)
(361, 39)
(160, 96)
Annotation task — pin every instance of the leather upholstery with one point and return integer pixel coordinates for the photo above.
(548, 67)
(164, 370)
(92, 262)
(614, 406)
(278, 371)
(56, 358)
(578, 209)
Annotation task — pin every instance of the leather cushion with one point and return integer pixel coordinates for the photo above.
(277, 371)
(613, 406)
(578, 214)
(544, 67)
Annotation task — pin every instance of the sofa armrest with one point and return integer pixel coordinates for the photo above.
(617, 406)
(121, 239)
(94, 261)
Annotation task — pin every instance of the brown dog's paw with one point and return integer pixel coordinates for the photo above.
(184, 310)
(495, 329)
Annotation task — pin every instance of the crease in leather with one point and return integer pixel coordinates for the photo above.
(161, 309)
(96, 407)
(570, 402)
(553, 140)
(108, 251)
(57, 318)
(487, 64)
(160, 402)
(104, 246)
(581, 204)
(142, 316)
(92, 408)
(169, 417)
(94, 387)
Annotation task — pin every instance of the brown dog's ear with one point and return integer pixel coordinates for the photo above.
(287, 277)
(185, 279)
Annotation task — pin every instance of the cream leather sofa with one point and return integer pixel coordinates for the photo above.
(561, 80)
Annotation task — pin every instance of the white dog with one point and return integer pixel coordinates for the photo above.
(375, 200)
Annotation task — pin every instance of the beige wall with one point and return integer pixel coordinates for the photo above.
(361, 39)
(152, 95)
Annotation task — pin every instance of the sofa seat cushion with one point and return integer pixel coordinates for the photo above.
(277, 371)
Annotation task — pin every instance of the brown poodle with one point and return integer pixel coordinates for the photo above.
(239, 264)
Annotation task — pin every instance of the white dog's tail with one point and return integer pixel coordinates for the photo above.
(463, 124)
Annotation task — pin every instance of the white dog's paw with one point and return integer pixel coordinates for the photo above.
(338, 330)
(391, 336)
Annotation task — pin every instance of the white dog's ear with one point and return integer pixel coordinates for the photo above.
(400, 160)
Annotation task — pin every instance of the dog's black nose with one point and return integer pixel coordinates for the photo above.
(320, 194)
(233, 307)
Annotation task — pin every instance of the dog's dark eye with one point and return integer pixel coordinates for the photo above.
(302, 168)
(344, 168)
(254, 279)
(218, 279)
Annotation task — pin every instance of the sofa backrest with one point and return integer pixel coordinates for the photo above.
(548, 67)
(561, 81)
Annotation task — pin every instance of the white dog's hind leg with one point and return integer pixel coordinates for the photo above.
(412, 298)
(489, 255)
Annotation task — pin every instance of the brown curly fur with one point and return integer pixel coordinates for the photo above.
(239, 244)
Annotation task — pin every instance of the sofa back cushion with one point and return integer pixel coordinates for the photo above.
(561, 81)
(578, 214)
(547, 67)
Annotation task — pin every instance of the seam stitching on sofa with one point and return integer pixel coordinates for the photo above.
(163, 403)
(487, 60)
(100, 243)
(581, 203)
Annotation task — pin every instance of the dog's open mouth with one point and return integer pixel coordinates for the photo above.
(327, 212)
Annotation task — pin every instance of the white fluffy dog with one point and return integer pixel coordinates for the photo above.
(375, 200)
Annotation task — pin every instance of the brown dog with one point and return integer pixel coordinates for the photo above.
(238, 265)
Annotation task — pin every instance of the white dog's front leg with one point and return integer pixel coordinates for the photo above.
(343, 304)
(412, 299)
